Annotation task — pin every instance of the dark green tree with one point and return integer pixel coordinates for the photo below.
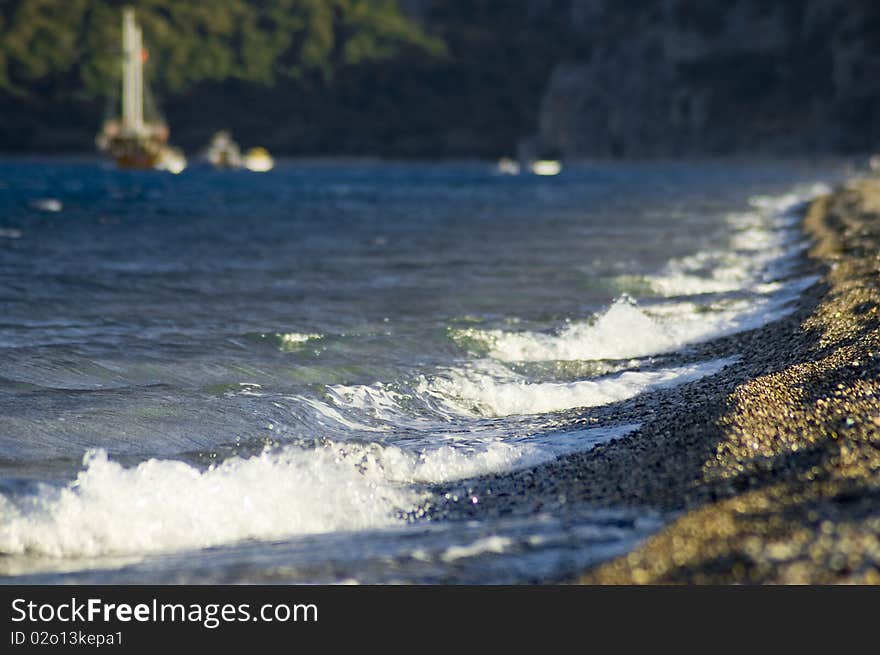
(263, 41)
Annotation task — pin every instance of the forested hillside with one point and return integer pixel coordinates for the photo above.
(618, 78)
(303, 76)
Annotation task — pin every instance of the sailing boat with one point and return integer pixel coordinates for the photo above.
(132, 141)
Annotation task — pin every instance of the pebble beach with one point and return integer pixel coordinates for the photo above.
(779, 476)
(768, 473)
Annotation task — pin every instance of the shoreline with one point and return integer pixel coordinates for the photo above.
(763, 472)
(768, 472)
(788, 490)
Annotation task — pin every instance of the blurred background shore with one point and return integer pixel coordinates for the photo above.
(428, 78)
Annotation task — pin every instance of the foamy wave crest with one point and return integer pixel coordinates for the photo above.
(166, 505)
(420, 406)
(480, 456)
(484, 395)
(487, 389)
(626, 330)
(620, 332)
(763, 245)
(787, 203)
(704, 272)
(293, 341)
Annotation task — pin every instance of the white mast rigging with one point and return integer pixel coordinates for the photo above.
(132, 74)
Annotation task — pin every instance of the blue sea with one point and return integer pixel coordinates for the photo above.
(223, 376)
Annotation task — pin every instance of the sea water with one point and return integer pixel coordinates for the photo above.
(233, 377)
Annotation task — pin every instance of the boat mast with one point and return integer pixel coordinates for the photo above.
(132, 74)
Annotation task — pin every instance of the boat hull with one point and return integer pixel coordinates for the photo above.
(134, 151)
(137, 160)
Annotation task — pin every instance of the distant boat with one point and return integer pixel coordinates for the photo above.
(131, 140)
(546, 167)
(543, 167)
(223, 151)
(508, 166)
(258, 160)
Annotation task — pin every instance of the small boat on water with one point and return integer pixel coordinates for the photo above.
(223, 151)
(508, 166)
(132, 140)
(546, 167)
(542, 167)
(258, 160)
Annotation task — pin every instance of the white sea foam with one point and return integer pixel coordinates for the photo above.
(484, 395)
(422, 407)
(326, 411)
(297, 337)
(493, 455)
(494, 544)
(763, 248)
(488, 389)
(293, 341)
(626, 330)
(763, 244)
(52, 205)
(166, 505)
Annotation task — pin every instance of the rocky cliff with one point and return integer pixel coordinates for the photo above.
(689, 77)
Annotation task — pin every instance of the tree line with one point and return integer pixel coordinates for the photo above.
(417, 77)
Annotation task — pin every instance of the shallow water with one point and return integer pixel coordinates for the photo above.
(233, 377)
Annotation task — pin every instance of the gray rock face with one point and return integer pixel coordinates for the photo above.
(692, 77)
